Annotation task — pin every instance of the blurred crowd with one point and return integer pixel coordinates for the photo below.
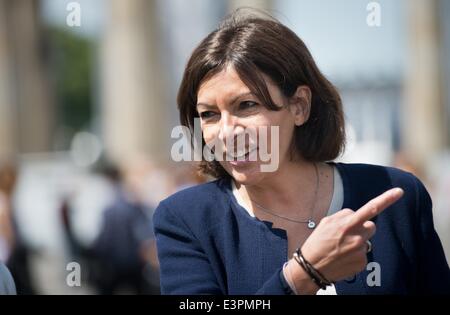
(120, 257)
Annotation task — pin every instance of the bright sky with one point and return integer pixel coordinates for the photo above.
(340, 40)
(92, 14)
(336, 32)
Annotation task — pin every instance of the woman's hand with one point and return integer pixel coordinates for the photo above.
(338, 247)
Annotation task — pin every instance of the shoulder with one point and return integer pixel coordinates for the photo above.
(368, 181)
(385, 177)
(364, 169)
(200, 205)
(202, 193)
(7, 286)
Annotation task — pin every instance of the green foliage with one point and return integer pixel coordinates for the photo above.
(71, 63)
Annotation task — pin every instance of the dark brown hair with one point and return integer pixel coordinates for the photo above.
(255, 44)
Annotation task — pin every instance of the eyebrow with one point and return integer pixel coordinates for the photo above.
(232, 100)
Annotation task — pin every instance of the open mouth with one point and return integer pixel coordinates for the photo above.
(243, 156)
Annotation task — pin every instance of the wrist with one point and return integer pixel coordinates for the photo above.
(316, 276)
(301, 281)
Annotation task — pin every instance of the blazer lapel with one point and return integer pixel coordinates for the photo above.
(356, 284)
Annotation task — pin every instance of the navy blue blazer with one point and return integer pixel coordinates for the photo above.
(208, 244)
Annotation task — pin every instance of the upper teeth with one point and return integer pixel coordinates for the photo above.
(238, 155)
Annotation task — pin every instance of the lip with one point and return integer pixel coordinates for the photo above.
(242, 161)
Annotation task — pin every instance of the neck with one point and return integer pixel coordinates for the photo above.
(290, 189)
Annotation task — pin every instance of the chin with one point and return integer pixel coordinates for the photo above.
(246, 176)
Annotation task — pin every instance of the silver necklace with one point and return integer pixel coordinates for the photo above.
(311, 223)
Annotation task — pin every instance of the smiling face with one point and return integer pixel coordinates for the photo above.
(227, 108)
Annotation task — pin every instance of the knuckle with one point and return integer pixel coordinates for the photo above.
(346, 231)
(347, 211)
(370, 227)
(345, 227)
(325, 220)
(358, 241)
(348, 223)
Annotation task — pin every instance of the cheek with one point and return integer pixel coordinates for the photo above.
(209, 132)
(286, 138)
(285, 134)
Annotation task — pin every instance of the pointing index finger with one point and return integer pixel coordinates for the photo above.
(377, 205)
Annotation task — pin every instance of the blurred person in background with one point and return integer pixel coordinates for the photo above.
(122, 258)
(185, 176)
(13, 249)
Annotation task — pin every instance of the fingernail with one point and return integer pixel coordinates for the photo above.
(397, 191)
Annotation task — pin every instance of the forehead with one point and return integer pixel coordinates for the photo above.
(223, 84)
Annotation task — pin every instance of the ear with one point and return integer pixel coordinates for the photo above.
(300, 104)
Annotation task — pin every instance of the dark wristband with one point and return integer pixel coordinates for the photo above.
(317, 277)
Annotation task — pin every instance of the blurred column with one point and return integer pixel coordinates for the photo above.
(8, 147)
(257, 4)
(134, 110)
(424, 129)
(31, 85)
(444, 17)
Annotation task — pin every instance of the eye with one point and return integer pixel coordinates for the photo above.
(207, 114)
(247, 105)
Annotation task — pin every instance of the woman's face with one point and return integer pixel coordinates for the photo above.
(228, 110)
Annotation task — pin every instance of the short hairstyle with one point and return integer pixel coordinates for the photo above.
(255, 44)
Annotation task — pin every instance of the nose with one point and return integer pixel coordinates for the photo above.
(227, 127)
(231, 133)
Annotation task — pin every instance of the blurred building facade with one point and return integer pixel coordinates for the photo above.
(134, 107)
(26, 104)
(141, 54)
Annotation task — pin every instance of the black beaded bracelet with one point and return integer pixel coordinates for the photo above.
(317, 277)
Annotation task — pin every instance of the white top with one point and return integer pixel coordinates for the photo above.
(335, 205)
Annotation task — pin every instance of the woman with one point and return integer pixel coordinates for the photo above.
(307, 226)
